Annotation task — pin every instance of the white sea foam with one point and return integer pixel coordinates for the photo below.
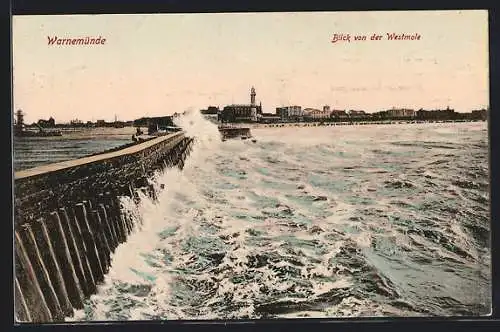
(240, 220)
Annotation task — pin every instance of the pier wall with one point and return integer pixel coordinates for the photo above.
(68, 222)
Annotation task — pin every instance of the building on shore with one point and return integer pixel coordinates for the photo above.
(401, 113)
(242, 112)
(290, 113)
(315, 114)
(395, 113)
(212, 113)
(339, 115)
(327, 114)
(480, 114)
(50, 123)
(446, 114)
(211, 110)
(357, 114)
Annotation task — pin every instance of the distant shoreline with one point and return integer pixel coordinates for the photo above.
(334, 124)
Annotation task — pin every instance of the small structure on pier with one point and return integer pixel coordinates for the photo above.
(228, 132)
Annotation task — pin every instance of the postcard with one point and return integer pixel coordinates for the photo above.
(249, 166)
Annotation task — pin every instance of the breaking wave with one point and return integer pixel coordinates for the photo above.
(310, 222)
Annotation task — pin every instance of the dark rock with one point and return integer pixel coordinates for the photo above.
(217, 258)
(315, 230)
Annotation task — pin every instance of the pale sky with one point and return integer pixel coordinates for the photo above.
(158, 64)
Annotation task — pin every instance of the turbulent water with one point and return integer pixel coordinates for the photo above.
(389, 220)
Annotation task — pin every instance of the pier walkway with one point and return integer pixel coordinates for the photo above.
(68, 220)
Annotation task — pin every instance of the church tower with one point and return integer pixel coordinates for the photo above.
(252, 96)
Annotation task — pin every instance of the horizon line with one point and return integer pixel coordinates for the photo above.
(487, 108)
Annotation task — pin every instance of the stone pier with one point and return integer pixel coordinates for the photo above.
(68, 221)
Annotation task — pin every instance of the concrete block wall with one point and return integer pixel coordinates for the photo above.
(68, 221)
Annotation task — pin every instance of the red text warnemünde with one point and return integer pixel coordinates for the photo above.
(76, 41)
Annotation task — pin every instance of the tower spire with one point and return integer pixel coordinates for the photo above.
(252, 96)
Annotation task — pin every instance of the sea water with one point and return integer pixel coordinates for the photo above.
(347, 221)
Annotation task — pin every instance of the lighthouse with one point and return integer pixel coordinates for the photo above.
(253, 107)
(252, 96)
(19, 123)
